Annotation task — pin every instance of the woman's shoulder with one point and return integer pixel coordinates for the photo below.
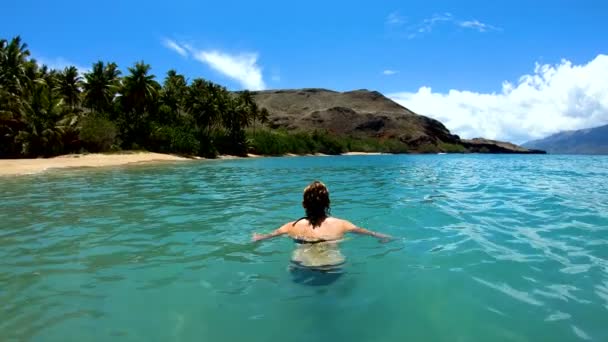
(345, 224)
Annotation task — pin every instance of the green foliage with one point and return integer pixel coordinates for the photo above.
(452, 148)
(282, 142)
(101, 86)
(169, 139)
(277, 143)
(365, 144)
(427, 148)
(97, 134)
(327, 143)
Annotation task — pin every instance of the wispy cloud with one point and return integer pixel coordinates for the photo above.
(428, 25)
(60, 63)
(241, 67)
(477, 25)
(553, 98)
(389, 72)
(395, 19)
(170, 44)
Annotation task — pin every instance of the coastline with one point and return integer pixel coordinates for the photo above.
(19, 167)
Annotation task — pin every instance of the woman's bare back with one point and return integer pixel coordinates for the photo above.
(329, 229)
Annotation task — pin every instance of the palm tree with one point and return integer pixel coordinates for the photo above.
(14, 88)
(139, 89)
(263, 115)
(69, 87)
(44, 121)
(199, 103)
(13, 58)
(173, 94)
(250, 107)
(100, 86)
(139, 93)
(13, 77)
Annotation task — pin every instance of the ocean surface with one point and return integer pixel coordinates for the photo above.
(487, 248)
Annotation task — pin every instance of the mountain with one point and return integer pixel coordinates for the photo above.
(481, 145)
(365, 114)
(584, 141)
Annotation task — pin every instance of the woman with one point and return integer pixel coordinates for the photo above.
(317, 233)
(317, 226)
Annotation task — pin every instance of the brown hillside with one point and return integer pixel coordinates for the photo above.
(355, 113)
(361, 113)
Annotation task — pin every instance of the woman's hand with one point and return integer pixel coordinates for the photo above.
(385, 239)
(257, 237)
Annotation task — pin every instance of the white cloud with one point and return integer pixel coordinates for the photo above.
(477, 25)
(60, 63)
(395, 19)
(389, 72)
(170, 44)
(242, 67)
(427, 25)
(552, 99)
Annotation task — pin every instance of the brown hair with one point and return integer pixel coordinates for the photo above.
(316, 202)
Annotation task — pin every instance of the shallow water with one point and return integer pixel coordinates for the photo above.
(501, 248)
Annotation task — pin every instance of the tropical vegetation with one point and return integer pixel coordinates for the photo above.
(46, 112)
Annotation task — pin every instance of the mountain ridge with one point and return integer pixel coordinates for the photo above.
(584, 141)
(367, 114)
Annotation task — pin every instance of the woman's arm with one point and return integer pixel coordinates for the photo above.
(259, 237)
(351, 228)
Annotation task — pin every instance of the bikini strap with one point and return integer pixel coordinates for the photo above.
(300, 219)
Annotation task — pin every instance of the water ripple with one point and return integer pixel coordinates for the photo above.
(490, 248)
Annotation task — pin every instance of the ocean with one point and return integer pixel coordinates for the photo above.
(487, 248)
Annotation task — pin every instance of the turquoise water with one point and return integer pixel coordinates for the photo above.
(500, 248)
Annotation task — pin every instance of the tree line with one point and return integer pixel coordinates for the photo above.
(46, 112)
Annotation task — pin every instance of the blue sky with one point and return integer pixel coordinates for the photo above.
(399, 48)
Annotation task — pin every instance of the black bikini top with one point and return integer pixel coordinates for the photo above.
(301, 241)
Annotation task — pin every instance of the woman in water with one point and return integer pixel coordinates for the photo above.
(317, 233)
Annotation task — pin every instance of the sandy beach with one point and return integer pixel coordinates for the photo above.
(10, 167)
(363, 153)
(15, 167)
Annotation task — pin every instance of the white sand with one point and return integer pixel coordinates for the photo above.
(30, 166)
(362, 153)
(13, 167)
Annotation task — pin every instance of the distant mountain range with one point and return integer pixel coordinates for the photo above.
(584, 141)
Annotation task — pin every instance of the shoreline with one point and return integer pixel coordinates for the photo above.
(21, 167)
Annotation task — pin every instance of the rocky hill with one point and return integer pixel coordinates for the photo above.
(584, 141)
(363, 113)
(481, 145)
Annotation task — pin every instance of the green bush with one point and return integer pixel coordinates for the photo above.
(280, 142)
(328, 144)
(452, 148)
(365, 144)
(168, 139)
(223, 142)
(97, 134)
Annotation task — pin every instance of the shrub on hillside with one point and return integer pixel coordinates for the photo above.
(328, 144)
